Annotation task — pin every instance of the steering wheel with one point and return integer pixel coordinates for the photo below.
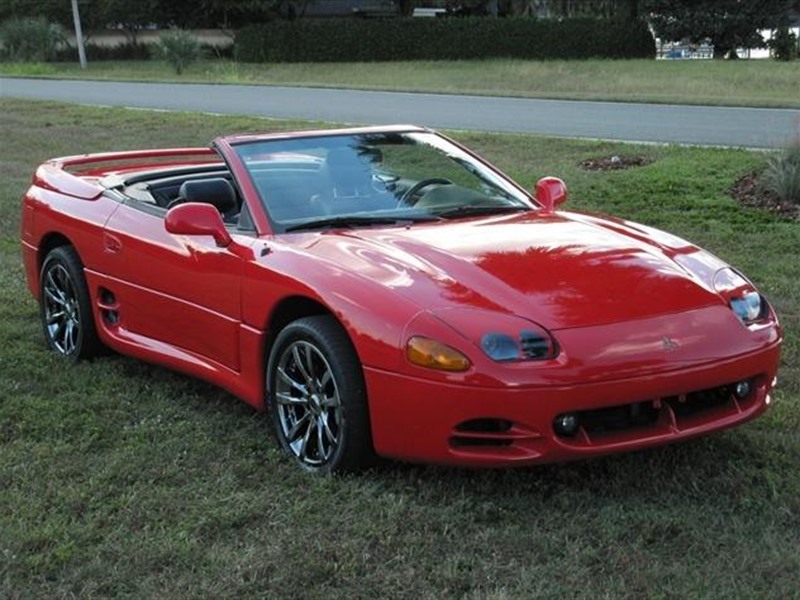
(415, 189)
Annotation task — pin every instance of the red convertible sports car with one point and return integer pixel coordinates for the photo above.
(384, 291)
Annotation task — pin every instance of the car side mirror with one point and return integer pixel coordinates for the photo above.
(550, 192)
(197, 219)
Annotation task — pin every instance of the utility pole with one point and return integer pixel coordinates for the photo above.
(76, 18)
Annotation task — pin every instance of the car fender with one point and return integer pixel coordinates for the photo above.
(373, 315)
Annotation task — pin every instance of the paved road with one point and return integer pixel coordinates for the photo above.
(752, 127)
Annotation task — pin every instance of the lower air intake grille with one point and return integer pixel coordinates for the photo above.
(669, 413)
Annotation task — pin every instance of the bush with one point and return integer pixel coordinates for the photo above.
(179, 48)
(140, 51)
(356, 40)
(784, 45)
(31, 39)
(119, 52)
(219, 52)
(782, 176)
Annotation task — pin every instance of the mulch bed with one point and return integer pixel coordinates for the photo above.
(748, 192)
(614, 163)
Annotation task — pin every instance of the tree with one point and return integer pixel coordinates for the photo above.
(56, 11)
(30, 39)
(406, 7)
(727, 24)
(604, 9)
(131, 16)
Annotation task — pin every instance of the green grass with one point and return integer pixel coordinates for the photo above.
(741, 83)
(119, 478)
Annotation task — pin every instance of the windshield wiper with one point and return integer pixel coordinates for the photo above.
(476, 210)
(358, 220)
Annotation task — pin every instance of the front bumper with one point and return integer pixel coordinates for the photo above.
(455, 424)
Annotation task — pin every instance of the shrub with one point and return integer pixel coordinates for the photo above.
(94, 52)
(30, 39)
(357, 40)
(179, 48)
(219, 52)
(784, 44)
(782, 175)
(139, 51)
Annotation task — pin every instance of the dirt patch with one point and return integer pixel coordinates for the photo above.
(747, 191)
(614, 163)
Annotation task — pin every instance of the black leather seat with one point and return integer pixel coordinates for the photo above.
(216, 191)
(350, 174)
(353, 182)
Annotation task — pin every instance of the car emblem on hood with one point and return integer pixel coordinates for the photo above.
(669, 344)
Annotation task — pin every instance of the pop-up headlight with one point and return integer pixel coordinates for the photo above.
(748, 307)
(742, 297)
(532, 343)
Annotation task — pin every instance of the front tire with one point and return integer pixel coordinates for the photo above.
(65, 308)
(317, 398)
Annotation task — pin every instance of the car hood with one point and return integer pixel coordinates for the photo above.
(563, 270)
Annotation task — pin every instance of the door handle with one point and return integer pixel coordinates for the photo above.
(111, 243)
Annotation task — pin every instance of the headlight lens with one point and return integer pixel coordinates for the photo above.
(500, 347)
(748, 307)
(742, 297)
(530, 344)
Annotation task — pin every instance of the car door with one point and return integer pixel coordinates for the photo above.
(179, 290)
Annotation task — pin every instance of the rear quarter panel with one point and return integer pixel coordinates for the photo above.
(48, 215)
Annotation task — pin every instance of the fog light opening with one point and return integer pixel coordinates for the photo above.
(566, 424)
(742, 390)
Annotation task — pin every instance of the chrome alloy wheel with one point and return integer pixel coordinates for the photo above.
(308, 403)
(61, 310)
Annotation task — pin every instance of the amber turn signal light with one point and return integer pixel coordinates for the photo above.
(429, 353)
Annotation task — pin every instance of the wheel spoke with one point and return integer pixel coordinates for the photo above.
(69, 341)
(53, 290)
(287, 378)
(304, 443)
(293, 434)
(58, 333)
(323, 451)
(328, 433)
(304, 369)
(330, 402)
(52, 317)
(63, 284)
(284, 398)
(54, 296)
(309, 364)
(325, 380)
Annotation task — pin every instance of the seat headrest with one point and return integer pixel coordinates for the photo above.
(215, 191)
(359, 159)
(348, 169)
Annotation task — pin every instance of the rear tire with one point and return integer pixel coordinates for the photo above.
(65, 307)
(317, 398)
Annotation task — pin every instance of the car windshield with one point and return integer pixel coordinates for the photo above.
(373, 179)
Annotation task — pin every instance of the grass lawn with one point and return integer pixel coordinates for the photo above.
(741, 83)
(118, 478)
